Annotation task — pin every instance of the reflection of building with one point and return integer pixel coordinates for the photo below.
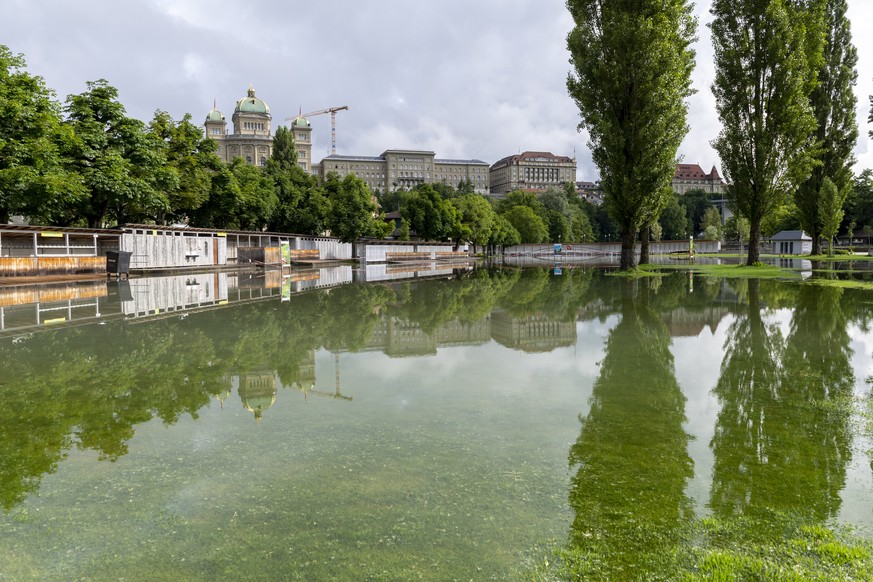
(533, 333)
(407, 169)
(531, 171)
(684, 322)
(400, 337)
(304, 379)
(251, 139)
(257, 391)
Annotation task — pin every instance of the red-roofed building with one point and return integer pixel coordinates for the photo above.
(692, 177)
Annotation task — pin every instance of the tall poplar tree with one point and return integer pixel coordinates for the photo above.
(765, 71)
(632, 62)
(833, 102)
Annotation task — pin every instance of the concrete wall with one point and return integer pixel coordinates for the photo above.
(376, 252)
(613, 249)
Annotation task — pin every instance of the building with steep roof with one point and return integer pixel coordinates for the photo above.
(251, 139)
(531, 171)
(692, 177)
(396, 169)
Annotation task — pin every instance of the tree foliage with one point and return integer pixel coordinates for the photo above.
(632, 64)
(33, 179)
(352, 209)
(833, 102)
(190, 162)
(119, 163)
(530, 227)
(765, 68)
(431, 216)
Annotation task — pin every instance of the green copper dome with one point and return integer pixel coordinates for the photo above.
(215, 115)
(300, 121)
(252, 104)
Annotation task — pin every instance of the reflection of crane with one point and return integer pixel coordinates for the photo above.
(332, 111)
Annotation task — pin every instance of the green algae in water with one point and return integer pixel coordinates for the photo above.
(498, 425)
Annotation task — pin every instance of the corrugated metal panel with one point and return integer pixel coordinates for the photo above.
(23, 267)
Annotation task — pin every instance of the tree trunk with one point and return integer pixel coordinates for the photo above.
(628, 250)
(644, 245)
(754, 244)
(816, 242)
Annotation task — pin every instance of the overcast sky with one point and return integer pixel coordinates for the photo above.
(463, 78)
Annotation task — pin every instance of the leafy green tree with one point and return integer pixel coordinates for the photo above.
(559, 227)
(673, 220)
(521, 198)
(711, 224)
(431, 216)
(696, 203)
(403, 230)
(859, 203)
(529, 226)
(833, 102)
(477, 216)
(257, 196)
(191, 160)
(602, 224)
(284, 150)
(556, 200)
(765, 68)
(830, 201)
(352, 209)
(33, 180)
(580, 226)
(218, 210)
(120, 165)
(301, 205)
(632, 64)
(465, 186)
(504, 234)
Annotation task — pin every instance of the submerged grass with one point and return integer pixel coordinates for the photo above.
(712, 548)
(728, 271)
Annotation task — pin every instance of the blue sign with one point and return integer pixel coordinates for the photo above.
(558, 249)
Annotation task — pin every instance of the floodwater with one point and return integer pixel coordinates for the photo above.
(468, 424)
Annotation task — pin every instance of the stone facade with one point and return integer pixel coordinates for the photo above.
(396, 169)
(692, 177)
(531, 171)
(251, 139)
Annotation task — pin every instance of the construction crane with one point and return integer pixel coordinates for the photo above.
(332, 111)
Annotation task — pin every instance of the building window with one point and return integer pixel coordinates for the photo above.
(249, 159)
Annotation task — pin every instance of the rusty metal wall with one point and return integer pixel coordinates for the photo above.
(45, 266)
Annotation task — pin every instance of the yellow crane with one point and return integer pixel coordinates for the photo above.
(332, 111)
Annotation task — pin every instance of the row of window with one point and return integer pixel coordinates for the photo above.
(255, 126)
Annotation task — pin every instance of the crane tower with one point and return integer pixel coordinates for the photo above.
(332, 111)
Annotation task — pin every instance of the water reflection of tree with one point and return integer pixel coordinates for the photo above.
(538, 292)
(632, 459)
(782, 437)
(469, 298)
